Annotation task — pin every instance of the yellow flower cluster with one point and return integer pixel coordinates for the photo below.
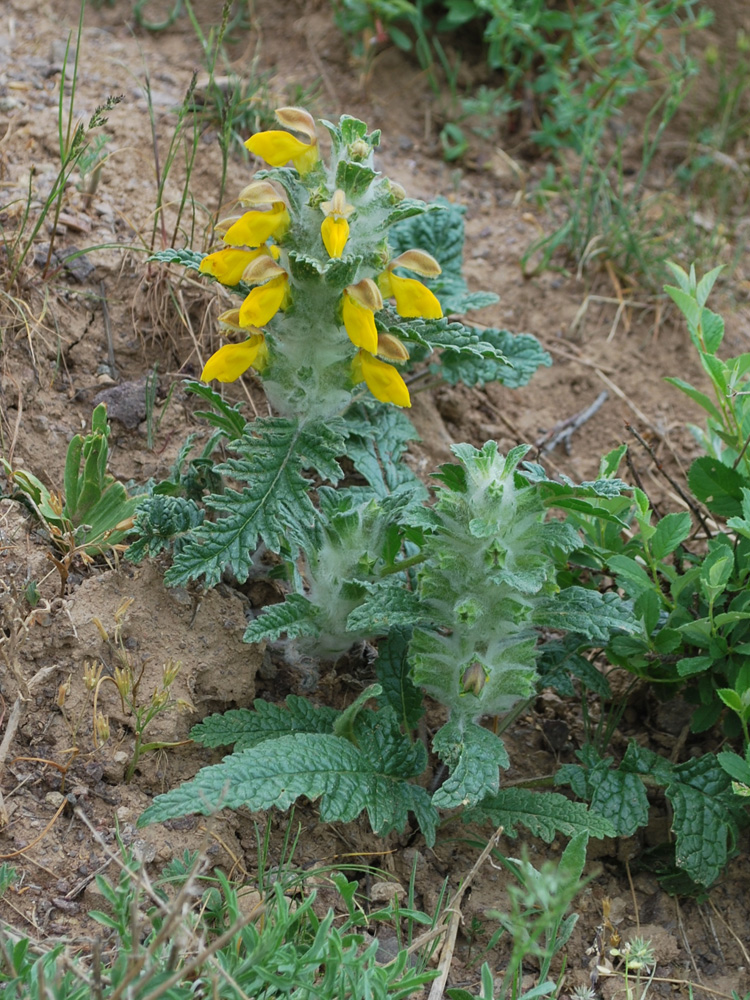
(251, 254)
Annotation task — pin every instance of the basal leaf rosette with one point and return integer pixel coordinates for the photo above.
(310, 258)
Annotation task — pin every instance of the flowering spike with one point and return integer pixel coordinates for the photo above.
(232, 360)
(263, 302)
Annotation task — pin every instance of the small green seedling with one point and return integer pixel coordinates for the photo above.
(94, 514)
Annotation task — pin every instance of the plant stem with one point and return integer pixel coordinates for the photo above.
(407, 563)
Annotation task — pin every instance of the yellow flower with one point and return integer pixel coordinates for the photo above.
(232, 360)
(412, 297)
(253, 228)
(359, 303)
(278, 148)
(264, 301)
(228, 265)
(335, 233)
(383, 380)
(335, 228)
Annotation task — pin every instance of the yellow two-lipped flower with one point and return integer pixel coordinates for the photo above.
(229, 265)
(233, 360)
(413, 299)
(255, 227)
(277, 147)
(264, 301)
(359, 303)
(383, 380)
(335, 227)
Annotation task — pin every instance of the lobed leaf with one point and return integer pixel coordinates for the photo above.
(276, 507)
(294, 616)
(347, 778)
(393, 673)
(544, 814)
(244, 728)
(474, 756)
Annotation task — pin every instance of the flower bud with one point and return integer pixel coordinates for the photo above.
(474, 678)
(101, 725)
(359, 149)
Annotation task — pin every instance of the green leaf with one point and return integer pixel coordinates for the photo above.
(347, 778)
(227, 419)
(393, 673)
(698, 397)
(295, 616)
(159, 521)
(561, 660)
(587, 612)
(689, 666)
(473, 756)
(735, 766)
(187, 257)
(713, 330)
(303, 267)
(276, 507)
(354, 178)
(522, 352)
(742, 524)
(544, 814)
(388, 604)
(670, 532)
(72, 469)
(353, 129)
(341, 271)
(243, 728)
(378, 436)
(617, 795)
(702, 820)
(630, 575)
(408, 208)
(703, 289)
(648, 606)
(732, 700)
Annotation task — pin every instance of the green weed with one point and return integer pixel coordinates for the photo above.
(189, 933)
(77, 149)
